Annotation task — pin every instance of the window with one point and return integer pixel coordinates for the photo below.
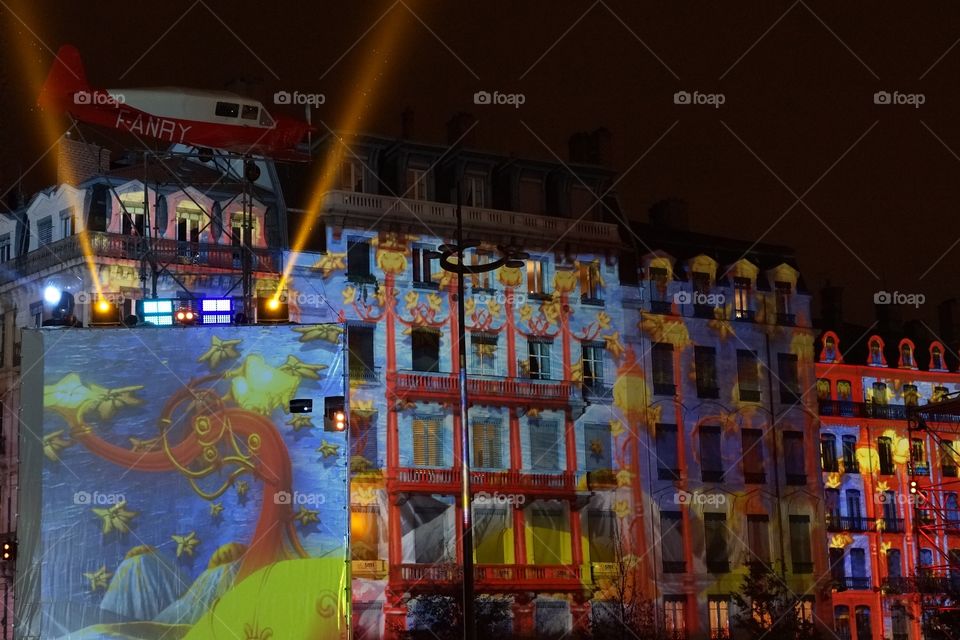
(832, 508)
(592, 361)
(487, 444)
(800, 544)
(898, 622)
(659, 280)
(227, 109)
(911, 396)
(701, 283)
(132, 217)
(854, 510)
(841, 621)
(705, 364)
(590, 282)
(918, 456)
(782, 303)
(789, 378)
(844, 390)
(481, 280)
(44, 231)
(550, 525)
(879, 395)
(667, 461)
(741, 299)
(265, 119)
(748, 375)
(491, 527)
(474, 191)
(671, 542)
(823, 389)
(862, 622)
(891, 522)
(422, 259)
(188, 224)
(885, 454)
(828, 452)
(428, 442)
(539, 359)
(926, 561)
(545, 445)
(599, 444)
(711, 458)
(938, 393)
(360, 340)
(948, 459)
(936, 358)
(351, 176)
(794, 463)
(894, 563)
(5, 251)
(876, 352)
(751, 440)
(850, 464)
(718, 609)
(858, 568)
(601, 529)
(805, 609)
(536, 278)
(758, 538)
(425, 349)
(358, 258)
(715, 542)
(249, 112)
(951, 511)
(662, 355)
(67, 223)
(483, 351)
(675, 616)
(416, 184)
(364, 533)
(837, 570)
(431, 532)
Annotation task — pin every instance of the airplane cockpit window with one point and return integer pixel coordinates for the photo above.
(250, 112)
(265, 119)
(227, 109)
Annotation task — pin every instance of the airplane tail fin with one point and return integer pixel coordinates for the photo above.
(66, 77)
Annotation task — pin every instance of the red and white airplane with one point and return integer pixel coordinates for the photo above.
(202, 119)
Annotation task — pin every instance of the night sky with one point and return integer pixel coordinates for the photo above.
(878, 183)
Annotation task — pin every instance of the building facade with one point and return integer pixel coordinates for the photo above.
(639, 397)
(889, 545)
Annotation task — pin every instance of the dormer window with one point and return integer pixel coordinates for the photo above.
(741, 299)
(936, 357)
(417, 184)
(829, 349)
(782, 300)
(875, 352)
(906, 355)
(474, 191)
(351, 176)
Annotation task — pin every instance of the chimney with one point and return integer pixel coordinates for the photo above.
(79, 161)
(670, 214)
(591, 147)
(458, 127)
(831, 306)
(406, 124)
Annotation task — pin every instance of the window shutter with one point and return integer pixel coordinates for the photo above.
(544, 445)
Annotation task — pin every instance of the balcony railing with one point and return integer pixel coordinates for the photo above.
(850, 409)
(851, 582)
(512, 481)
(521, 390)
(364, 374)
(488, 576)
(846, 523)
(115, 245)
(596, 390)
(891, 525)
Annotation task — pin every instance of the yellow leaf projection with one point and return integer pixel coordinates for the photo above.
(258, 387)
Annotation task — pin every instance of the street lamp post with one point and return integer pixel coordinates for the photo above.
(453, 259)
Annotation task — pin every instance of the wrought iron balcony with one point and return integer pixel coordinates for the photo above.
(489, 577)
(364, 374)
(484, 389)
(842, 583)
(846, 523)
(850, 409)
(447, 481)
(890, 525)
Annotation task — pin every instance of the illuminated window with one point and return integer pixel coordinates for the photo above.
(598, 443)
(416, 184)
(805, 610)
(711, 458)
(68, 223)
(536, 278)
(885, 455)
(487, 444)
(483, 349)
(918, 455)
(131, 212)
(675, 614)
(427, 442)
(718, 609)
(351, 176)
(158, 312)
(911, 396)
(844, 390)
(550, 524)
(741, 299)
(481, 280)
(422, 259)
(491, 526)
(364, 532)
(948, 459)
(938, 393)
(188, 223)
(823, 389)
(590, 283)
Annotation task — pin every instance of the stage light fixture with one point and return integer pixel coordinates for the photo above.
(52, 294)
(272, 309)
(216, 311)
(913, 486)
(158, 312)
(185, 316)
(105, 313)
(334, 414)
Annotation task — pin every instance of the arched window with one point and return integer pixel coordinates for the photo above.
(875, 352)
(823, 389)
(906, 355)
(830, 351)
(936, 357)
(951, 510)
